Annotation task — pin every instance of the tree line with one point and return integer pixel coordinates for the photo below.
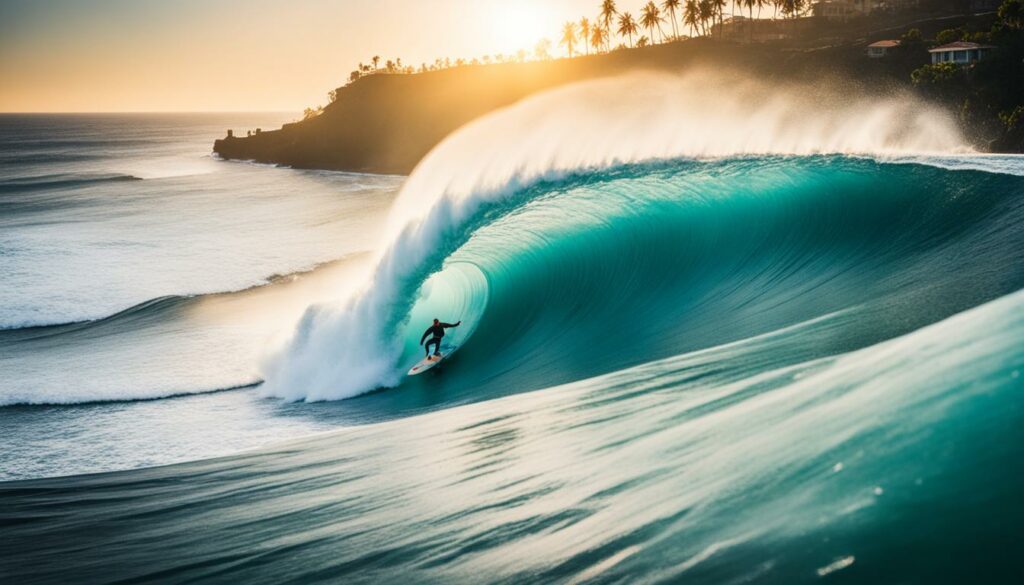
(663, 22)
(611, 29)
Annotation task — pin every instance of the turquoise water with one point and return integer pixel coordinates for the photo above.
(895, 463)
(771, 369)
(672, 368)
(615, 268)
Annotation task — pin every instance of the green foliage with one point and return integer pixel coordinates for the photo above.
(946, 82)
(911, 37)
(1013, 119)
(950, 35)
(1011, 14)
(911, 42)
(935, 74)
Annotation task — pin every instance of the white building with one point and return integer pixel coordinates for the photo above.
(881, 48)
(959, 52)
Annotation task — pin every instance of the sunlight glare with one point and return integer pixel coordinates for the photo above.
(518, 25)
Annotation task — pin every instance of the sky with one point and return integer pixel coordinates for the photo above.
(243, 55)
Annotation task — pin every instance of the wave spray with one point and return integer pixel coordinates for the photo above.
(485, 169)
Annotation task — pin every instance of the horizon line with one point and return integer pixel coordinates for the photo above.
(69, 112)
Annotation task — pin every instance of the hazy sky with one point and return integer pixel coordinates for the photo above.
(235, 55)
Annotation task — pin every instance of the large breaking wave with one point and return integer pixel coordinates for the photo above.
(622, 220)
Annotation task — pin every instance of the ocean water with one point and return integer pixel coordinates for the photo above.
(137, 266)
(761, 342)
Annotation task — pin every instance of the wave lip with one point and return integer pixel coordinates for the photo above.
(472, 178)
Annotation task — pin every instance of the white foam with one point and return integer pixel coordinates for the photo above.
(352, 347)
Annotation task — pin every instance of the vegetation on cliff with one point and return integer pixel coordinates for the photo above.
(388, 122)
(988, 95)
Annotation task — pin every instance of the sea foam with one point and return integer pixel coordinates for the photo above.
(354, 346)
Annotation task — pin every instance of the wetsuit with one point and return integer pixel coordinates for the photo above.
(438, 332)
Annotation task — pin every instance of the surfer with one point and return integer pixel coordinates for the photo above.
(437, 330)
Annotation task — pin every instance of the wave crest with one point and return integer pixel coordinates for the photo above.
(491, 167)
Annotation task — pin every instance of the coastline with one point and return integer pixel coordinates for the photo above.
(386, 123)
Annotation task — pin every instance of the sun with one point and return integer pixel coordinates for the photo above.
(518, 25)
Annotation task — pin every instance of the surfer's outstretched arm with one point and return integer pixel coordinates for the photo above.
(447, 325)
(425, 334)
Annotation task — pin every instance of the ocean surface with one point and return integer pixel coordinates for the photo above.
(739, 360)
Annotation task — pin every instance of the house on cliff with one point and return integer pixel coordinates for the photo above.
(880, 49)
(959, 52)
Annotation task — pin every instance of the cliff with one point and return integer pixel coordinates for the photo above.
(386, 123)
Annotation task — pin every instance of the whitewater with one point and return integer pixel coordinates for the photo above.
(715, 331)
(550, 144)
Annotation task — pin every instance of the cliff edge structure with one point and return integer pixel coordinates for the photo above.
(386, 123)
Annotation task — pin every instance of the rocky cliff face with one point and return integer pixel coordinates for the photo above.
(387, 123)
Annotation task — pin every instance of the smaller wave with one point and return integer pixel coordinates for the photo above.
(320, 172)
(146, 310)
(45, 157)
(47, 399)
(61, 181)
(248, 161)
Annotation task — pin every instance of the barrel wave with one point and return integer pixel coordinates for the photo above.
(609, 230)
(749, 336)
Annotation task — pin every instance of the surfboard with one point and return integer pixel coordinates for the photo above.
(430, 361)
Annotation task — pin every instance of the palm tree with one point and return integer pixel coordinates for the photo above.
(707, 14)
(542, 50)
(792, 8)
(750, 4)
(671, 6)
(719, 6)
(598, 37)
(608, 13)
(651, 17)
(628, 27)
(585, 33)
(376, 61)
(568, 36)
(642, 41)
(691, 15)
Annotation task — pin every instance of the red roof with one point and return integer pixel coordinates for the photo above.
(959, 46)
(885, 44)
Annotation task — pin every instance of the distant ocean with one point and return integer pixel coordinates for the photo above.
(137, 266)
(718, 356)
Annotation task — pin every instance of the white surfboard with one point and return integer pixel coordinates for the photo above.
(429, 362)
